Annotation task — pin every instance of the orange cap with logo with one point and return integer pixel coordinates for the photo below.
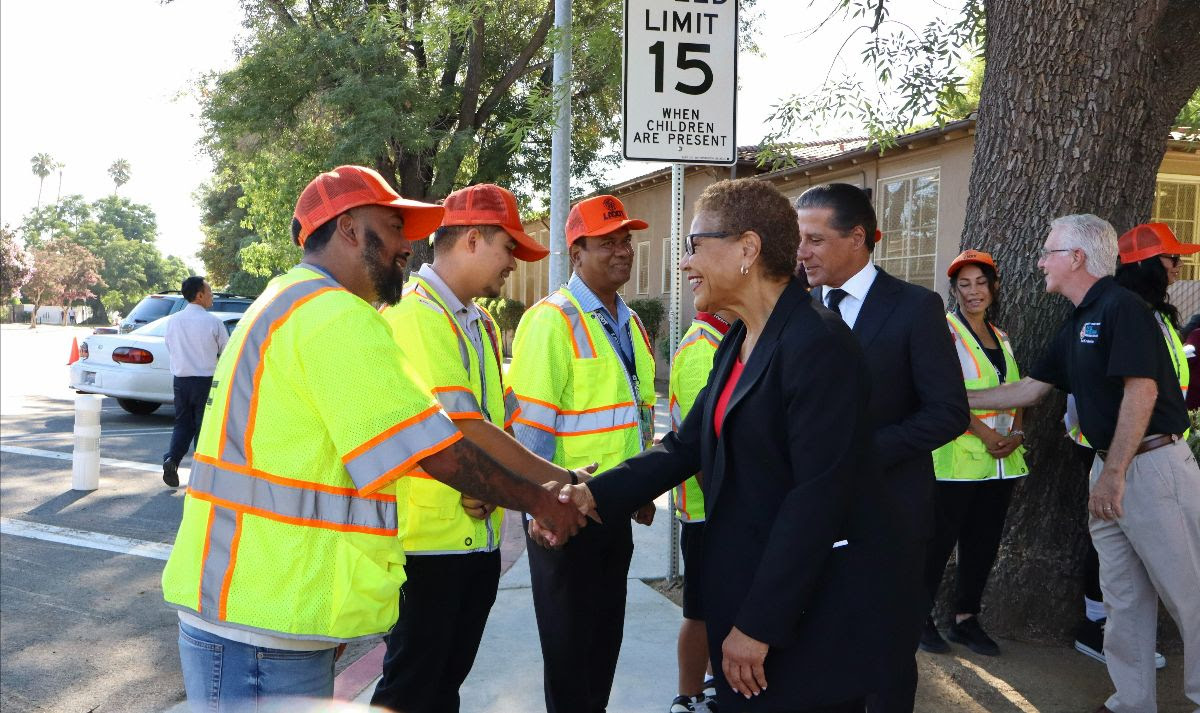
(334, 192)
(600, 215)
(1150, 239)
(486, 204)
(970, 257)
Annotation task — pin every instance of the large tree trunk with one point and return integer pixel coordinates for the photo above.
(1073, 118)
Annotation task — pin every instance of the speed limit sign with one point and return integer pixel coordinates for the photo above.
(680, 98)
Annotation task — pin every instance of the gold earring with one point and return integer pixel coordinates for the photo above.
(745, 270)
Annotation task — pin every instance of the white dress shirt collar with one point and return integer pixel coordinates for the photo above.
(856, 289)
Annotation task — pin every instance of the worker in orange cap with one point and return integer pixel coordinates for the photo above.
(288, 547)
(452, 543)
(583, 372)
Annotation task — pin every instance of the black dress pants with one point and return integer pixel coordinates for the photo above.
(579, 600)
(191, 395)
(897, 689)
(970, 514)
(444, 606)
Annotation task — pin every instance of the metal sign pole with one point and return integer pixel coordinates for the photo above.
(560, 149)
(674, 317)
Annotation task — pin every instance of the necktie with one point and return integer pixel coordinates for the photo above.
(835, 298)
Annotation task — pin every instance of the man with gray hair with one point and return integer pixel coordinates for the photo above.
(1144, 501)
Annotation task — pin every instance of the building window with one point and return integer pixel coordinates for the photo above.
(668, 266)
(642, 265)
(1177, 203)
(907, 206)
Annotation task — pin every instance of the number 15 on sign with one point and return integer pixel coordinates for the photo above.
(680, 89)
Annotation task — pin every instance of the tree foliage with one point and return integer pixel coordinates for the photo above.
(434, 94)
(119, 232)
(43, 165)
(119, 173)
(919, 73)
(63, 272)
(14, 264)
(1189, 115)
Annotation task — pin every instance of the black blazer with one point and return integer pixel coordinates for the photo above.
(782, 485)
(918, 400)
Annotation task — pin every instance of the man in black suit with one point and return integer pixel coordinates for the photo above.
(918, 403)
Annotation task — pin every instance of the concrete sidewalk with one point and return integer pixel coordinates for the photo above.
(507, 677)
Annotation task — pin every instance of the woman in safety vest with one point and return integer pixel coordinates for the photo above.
(976, 472)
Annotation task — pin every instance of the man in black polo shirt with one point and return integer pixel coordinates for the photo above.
(1144, 501)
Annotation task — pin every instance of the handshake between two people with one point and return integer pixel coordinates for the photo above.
(579, 497)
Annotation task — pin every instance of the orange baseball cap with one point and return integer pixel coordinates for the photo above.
(600, 215)
(332, 193)
(1150, 239)
(970, 257)
(486, 204)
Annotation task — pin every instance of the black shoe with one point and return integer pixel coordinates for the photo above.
(1089, 641)
(971, 634)
(931, 639)
(170, 473)
(683, 704)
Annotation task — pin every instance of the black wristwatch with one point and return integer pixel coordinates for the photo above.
(574, 477)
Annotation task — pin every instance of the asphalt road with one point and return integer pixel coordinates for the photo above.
(83, 627)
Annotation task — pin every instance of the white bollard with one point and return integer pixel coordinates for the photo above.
(85, 460)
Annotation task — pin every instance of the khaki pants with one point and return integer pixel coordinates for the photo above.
(1152, 551)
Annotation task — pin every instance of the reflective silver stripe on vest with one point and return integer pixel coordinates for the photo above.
(241, 385)
(579, 332)
(536, 413)
(455, 401)
(399, 448)
(694, 337)
(512, 406)
(676, 415)
(425, 292)
(316, 506)
(220, 555)
(605, 420)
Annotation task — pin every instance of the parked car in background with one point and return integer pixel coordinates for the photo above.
(163, 304)
(134, 368)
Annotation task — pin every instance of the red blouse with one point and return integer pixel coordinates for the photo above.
(726, 392)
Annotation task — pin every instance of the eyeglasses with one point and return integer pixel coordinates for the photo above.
(1044, 253)
(689, 240)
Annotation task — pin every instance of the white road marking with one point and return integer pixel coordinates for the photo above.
(106, 433)
(110, 462)
(84, 538)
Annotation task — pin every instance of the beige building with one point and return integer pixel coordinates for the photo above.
(919, 189)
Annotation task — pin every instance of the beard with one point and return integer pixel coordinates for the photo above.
(386, 277)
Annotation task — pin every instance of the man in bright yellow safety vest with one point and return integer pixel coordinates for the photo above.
(583, 371)
(690, 367)
(288, 546)
(453, 540)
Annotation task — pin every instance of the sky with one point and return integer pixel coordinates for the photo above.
(90, 82)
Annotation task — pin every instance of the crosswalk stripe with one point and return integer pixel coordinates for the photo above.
(84, 538)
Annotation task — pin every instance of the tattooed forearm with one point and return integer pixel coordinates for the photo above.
(468, 469)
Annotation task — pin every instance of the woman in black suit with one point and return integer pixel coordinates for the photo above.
(780, 435)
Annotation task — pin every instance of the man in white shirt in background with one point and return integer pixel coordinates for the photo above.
(194, 340)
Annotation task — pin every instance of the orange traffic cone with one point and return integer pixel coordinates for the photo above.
(74, 351)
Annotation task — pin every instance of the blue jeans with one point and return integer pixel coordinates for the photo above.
(223, 676)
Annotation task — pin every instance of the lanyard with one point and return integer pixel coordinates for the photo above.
(645, 421)
(999, 343)
(630, 366)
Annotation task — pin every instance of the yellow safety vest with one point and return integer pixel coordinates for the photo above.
(689, 375)
(1178, 360)
(966, 457)
(290, 521)
(431, 340)
(571, 383)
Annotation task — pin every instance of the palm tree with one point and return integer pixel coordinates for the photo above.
(119, 173)
(43, 165)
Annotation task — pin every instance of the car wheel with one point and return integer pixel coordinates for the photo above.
(141, 408)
